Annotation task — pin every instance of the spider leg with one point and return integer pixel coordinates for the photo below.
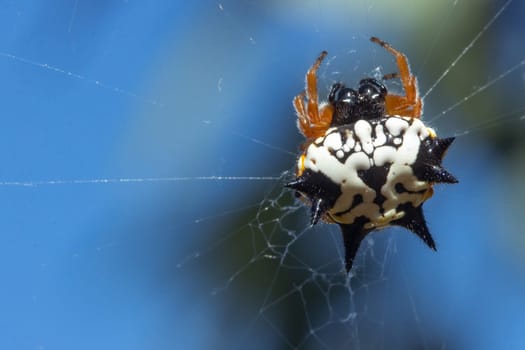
(402, 63)
(391, 76)
(302, 116)
(313, 120)
(311, 89)
(410, 104)
(399, 105)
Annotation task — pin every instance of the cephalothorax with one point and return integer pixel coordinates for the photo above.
(369, 161)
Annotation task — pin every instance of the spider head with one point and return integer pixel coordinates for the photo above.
(367, 103)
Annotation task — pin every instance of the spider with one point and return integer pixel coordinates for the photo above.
(369, 162)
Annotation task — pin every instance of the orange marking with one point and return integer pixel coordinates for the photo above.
(300, 165)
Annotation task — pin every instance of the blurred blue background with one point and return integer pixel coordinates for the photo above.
(128, 89)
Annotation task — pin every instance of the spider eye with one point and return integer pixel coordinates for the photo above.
(371, 88)
(334, 90)
(348, 96)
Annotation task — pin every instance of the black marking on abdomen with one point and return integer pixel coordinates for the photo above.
(358, 199)
(375, 178)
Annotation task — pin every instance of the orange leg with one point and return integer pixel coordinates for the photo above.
(312, 121)
(302, 116)
(409, 105)
(400, 105)
(311, 89)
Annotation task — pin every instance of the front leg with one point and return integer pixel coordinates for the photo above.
(312, 120)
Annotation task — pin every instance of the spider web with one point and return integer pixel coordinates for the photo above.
(198, 245)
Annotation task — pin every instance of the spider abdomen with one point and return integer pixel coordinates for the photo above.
(371, 170)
